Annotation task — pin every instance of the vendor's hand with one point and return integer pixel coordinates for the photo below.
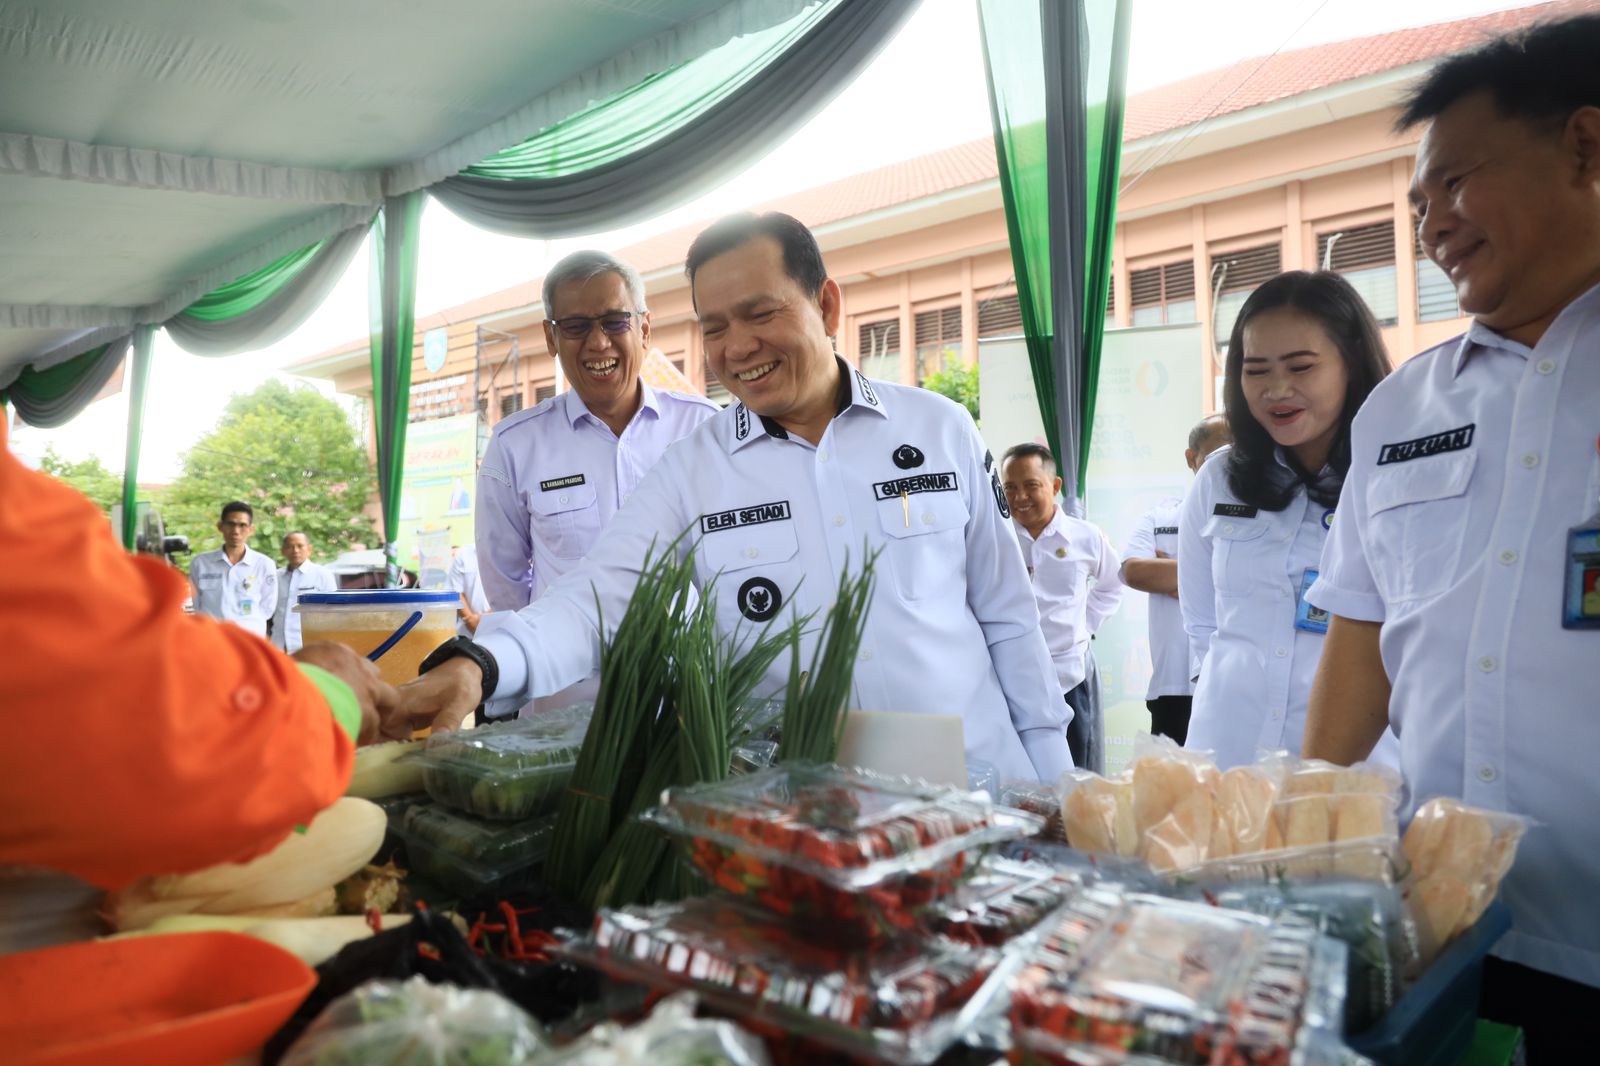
(443, 697)
(378, 699)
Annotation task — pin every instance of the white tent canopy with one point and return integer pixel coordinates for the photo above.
(152, 150)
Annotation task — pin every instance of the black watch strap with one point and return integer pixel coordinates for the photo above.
(461, 646)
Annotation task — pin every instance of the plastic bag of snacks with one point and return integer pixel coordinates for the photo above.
(415, 1023)
(848, 853)
(902, 1001)
(1000, 901)
(670, 1036)
(1458, 855)
(1038, 799)
(1140, 979)
(510, 771)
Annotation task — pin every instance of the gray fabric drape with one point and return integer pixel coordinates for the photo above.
(277, 317)
(53, 397)
(713, 148)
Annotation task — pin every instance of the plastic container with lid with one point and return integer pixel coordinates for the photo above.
(471, 855)
(507, 771)
(364, 621)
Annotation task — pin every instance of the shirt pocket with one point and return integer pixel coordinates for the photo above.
(755, 570)
(566, 521)
(1416, 521)
(925, 542)
(1238, 548)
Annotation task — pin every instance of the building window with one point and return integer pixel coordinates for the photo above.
(1436, 295)
(677, 364)
(544, 392)
(938, 341)
(1000, 316)
(1234, 277)
(879, 345)
(1162, 295)
(510, 403)
(1364, 257)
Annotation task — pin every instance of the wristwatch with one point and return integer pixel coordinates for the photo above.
(461, 646)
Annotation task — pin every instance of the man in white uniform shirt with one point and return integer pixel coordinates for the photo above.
(785, 489)
(1150, 565)
(463, 578)
(553, 476)
(298, 575)
(235, 583)
(1074, 573)
(1449, 573)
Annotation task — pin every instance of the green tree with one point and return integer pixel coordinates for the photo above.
(293, 456)
(958, 382)
(89, 477)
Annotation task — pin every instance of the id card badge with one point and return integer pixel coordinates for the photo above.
(1306, 616)
(1582, 607)
(245, 607)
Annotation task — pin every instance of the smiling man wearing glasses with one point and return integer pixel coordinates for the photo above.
(553, 475)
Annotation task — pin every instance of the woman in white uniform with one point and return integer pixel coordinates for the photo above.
(1303, 356)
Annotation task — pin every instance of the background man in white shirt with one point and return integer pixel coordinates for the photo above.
(1448, 571)
(463, 578)
(1150, 564)
(1074, 572)
(235, 583)
(298, 574)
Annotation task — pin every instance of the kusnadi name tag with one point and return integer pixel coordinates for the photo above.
(1581, 609)
(1307, 616)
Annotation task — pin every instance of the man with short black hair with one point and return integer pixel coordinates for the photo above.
(297, 576)
(1150, 565)
(235, 583)
(785, 490)
(1454, 570)
(1073, 569)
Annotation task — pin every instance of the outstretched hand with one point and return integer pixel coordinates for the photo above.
(379, 700)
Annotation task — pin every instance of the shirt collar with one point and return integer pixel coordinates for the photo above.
(1057, 524)
(855, 392)
(576, 409)
(1480, 336)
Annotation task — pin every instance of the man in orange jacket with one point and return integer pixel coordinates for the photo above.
(141, 740)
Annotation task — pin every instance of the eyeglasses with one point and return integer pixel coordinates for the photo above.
(234, 525)
(577, 327)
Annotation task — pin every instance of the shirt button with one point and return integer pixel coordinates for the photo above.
(1282, 653)
(866, 655)
(561, 498)
(1508, 556)
(1486, 773)
(751, 553)
(927, 518)
(1227, 529)
(838, 519)
(1487, 664)
(1547, 366)
(1530, 460)
(247, 698)
(1276, 715)
(822, 457)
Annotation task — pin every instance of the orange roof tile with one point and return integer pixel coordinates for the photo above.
(1263, 79)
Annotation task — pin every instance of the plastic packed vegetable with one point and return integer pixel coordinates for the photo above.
(1459, 855)
(510, 771)
(1042, 800)
(901, 1001)
(851, 854)
(1001, 900)
(419, 1024)
(469, 855)
(670, 1036)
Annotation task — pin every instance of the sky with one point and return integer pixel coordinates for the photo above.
(924, 92)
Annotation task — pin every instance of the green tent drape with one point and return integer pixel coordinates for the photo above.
(245, 294)
(138, 383)
(53, 396)
(393, 298)
(1056, 72)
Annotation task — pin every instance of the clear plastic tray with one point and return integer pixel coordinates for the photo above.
(510, 771)
(903, 1001)
(1140, 978)
(1037, 799)
(850, 854)
(1002, 900)
(471, 855)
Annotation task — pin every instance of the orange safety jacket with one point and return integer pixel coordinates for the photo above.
(138, 739)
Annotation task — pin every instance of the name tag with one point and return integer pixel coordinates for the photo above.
(745, 516)
(1307, 616)
(1234, 510)
(1166, 530)
(910, 486)
(1451, 440)
(561, 483)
